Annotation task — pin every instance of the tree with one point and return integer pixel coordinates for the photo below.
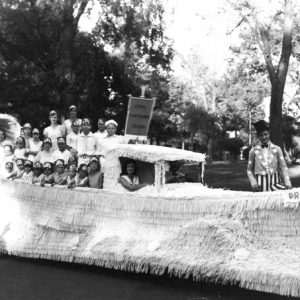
(46, 62)
(268, 41)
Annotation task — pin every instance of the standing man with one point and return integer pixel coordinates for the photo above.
(72, 137)
(62, 152)
(73, 117)
(101, 133)
(86, 143)
(54, 130)
(267, 170)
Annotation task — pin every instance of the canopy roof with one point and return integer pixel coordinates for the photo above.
(151, 153)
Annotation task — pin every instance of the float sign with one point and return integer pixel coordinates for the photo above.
(139, 115)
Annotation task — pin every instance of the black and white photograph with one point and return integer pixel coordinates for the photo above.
(149, 149)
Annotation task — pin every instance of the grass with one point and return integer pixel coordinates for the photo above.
(233, 176)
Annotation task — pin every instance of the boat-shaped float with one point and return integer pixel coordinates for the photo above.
(185, 229)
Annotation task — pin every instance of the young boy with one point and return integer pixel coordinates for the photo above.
(60, 177)
(267, 170)
(86, 144)
(48, 175)
(19, 172)
(28, 174)
(95, 175)
(37, 172)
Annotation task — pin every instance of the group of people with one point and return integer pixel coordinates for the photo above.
(69, 154)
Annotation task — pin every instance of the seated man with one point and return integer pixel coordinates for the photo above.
(129, 180)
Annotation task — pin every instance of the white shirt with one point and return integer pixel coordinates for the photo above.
(86, 144)
(136, 179)
(65, 155)
(109, 141)
(34, 146)
(53, 132)
(20, 153)
(68, 125)
(72, 139)
(100, 135)
(44, 156)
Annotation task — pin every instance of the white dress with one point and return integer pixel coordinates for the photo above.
(53, 133)
(34, 146)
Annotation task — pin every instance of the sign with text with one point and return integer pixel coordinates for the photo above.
(139, 115)
(292, 198)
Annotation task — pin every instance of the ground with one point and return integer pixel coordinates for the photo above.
(233, 176)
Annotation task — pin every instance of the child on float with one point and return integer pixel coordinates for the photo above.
(71, 173)
(38, 173)
(81, 179)
(48, 174)
(20, 151)
(95, 175)
(45, 155)
(8, 153)
(17, 174)
(59, 176)
(72, 163)
(9, 168)
(28, 173)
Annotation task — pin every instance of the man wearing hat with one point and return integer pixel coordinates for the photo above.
(73, 117)
(54, 130)
(109, 140)
(86, 144)
(62, 152)
(35, 145)
(267, 170)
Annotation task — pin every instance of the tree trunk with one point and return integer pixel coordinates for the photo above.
(70, 25)
(68, 36)
(276, 113)
(209, 149)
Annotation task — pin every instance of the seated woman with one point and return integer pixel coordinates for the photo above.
(129, 180)
(81, 179)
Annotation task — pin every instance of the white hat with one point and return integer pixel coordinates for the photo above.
(111, 122)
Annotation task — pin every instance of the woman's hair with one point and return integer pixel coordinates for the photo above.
(21, 139)
(126, 163)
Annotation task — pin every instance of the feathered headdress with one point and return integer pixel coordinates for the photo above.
(11, 127)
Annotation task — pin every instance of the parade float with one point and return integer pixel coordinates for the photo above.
(185, 230)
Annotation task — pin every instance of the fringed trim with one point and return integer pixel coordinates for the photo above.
(223, 236)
